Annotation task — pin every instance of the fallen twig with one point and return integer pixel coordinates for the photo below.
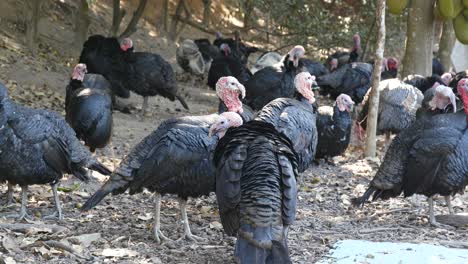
(384, 229)
(34, 228)
(59, 245)
(376, 214)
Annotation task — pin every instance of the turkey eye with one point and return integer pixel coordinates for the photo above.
(222, 122)
(232, 83)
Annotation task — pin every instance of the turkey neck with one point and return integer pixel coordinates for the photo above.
(464, 97)
(76, 84)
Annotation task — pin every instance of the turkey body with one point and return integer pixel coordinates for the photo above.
(146, 74)
(457, 78)
(334, 131)
(227, 66)
(256, 191)
(89, 113)
(189, 58)
(437, 67)
(176, 159)
(423, 83)
(427, 158)
(316, 69)
(353, 79)
(296, 119)
(269, 84)
(398, 104)
(38, 147)
(268, 59)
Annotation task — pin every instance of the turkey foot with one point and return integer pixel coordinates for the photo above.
(448, 201)
(158, 235)
(188, 233)
(10, 191)
(23, 214)
(58, 211)
(432, 219)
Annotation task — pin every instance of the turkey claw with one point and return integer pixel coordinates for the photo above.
(54, 215)
(192, 237)
(159, 236)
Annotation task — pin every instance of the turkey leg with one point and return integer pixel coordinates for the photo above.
(432, 219)
(58, 212)
(448, 201)
(145, 105)
(157, 216)
(10, 193)
(24, 202)
(188, 233)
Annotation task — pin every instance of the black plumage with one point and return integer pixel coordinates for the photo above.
(89, 111)
(316, 69)
(341, 58)
(256, 191)
(38, 147)
(454, 81)
(353, 79)
(176, 158)
(423, 83)
(144, 73)
(334, 127)
(239, 50)
(437, 67)
(227, 65)
(268, 83)
(428, 158)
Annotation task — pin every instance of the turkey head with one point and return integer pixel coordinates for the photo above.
(79, 72)
(303, 83)
(126, 44)
(228, 90)
(295, 54)
(443, 96)
(225, 121)
(344, 103)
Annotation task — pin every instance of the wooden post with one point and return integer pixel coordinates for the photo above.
(375, 93)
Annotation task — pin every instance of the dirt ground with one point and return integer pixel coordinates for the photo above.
(119, 229)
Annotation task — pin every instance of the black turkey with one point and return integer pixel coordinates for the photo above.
(398, 104)
(88, 110)
(425, 83)
(334, 127)
(176, 158)
(209, 51)
(353, 79)
(269, 83)
(454, 81)
(239, 50)
(437, 67)
(389, 69)
(227, 65)
(256, 189)
(316, 69)
(438, 100)
(146, 74)
(38, 147)
(428, 158)
(340, 58)
(296, 118)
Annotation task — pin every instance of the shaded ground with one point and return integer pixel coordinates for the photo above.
(122, 225)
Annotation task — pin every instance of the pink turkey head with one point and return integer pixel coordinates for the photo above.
(126, 44)
(295, 54)
(333, 64)
(344, 103)
(79, 72)
(225, 48)
(225, 121)
(303, 83)
(228, 90)
(446, 78)
(462, 89)
(357, 42)
(392, 63)
(443, 96)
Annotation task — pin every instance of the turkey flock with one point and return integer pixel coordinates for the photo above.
(251, 153)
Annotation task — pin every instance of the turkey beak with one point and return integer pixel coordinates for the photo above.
(295, 60)
(315, 86)
(350, 107)
(241, 90)
(213, 130)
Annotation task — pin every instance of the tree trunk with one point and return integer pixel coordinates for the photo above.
(447, 41)
(165, 14)
(375, 93)
(81, 24)
(206, 12)
(116, 18)
(33, 8)
(419, 34)
(131, 28)
(248, 8)
(175, 20)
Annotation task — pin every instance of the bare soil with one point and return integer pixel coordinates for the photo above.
(120, 226)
